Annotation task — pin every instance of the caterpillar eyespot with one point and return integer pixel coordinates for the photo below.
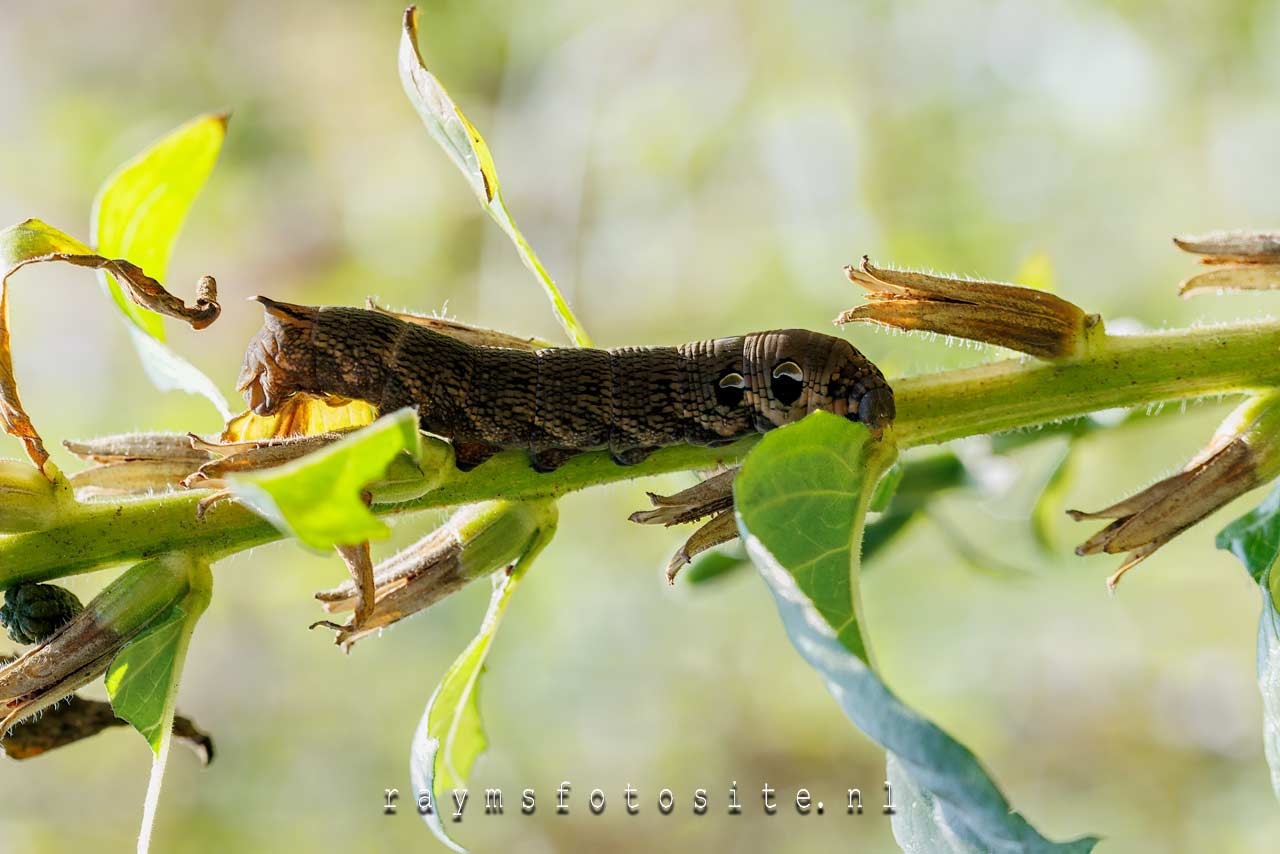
(790, 370)
(733, 379)
(559, 402)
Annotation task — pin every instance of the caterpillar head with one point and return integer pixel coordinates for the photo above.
(793, 372)
(859, 391)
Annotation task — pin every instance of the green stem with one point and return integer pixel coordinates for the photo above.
(1116, 371)
(1128, 370)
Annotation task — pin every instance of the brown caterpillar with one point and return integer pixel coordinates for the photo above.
(559, 402)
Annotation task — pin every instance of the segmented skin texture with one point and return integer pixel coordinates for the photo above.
(559, 402)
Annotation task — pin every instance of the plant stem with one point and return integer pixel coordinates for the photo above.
(1116, 371)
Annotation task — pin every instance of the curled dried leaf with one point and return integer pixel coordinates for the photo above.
(34, 242)
(78, 718)
(1022, 319)
(141, 288)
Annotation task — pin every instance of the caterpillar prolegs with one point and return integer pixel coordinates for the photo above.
(559, 402)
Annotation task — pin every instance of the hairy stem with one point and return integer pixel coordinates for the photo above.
(1116, 371)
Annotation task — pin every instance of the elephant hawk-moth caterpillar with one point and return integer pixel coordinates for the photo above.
(559, 402)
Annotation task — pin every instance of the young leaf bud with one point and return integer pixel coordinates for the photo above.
(33, 612)
(30, 500)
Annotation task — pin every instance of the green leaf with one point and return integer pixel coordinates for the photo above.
(141, 208)
(144, 674)
(142, 680)
(801, 498)
(1254, 538)
(139, 677)
(317, 498)
(469, 152)
(450, 736)
(804, 490)
(1269, 674)
(137, 216)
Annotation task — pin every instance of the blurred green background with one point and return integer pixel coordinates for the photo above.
(686, 170)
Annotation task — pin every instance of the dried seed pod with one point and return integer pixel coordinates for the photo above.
(706, 498)
(134, 464)
(77, 718)
(1245, 246)
(228, 457)
(1022, 319)
(135, 477)
(713, 498)
(476, 541)
(722, 528)
(1244, 454)
(1240, 261)
(136, 447)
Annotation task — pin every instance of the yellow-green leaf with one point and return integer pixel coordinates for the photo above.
(35, 239)
(469, 152)
(142, 680)
(141, 208)
(450, 735)
(317, 498)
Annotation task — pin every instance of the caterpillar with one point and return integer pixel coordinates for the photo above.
(559, 402)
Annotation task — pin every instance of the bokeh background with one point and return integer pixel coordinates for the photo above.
(686, 170)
